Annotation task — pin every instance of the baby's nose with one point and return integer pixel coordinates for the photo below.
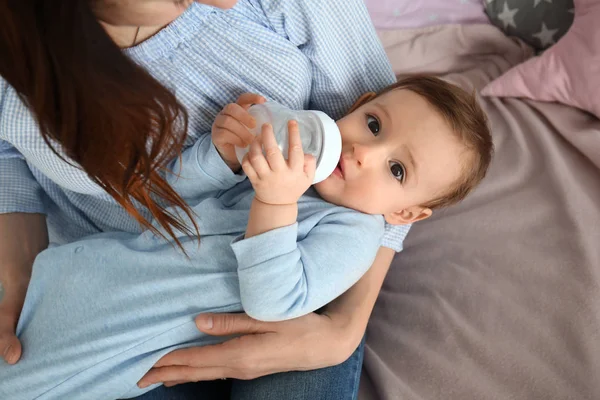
(364, 154)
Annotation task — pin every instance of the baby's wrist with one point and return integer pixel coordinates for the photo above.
(276, 204)
(265, 217)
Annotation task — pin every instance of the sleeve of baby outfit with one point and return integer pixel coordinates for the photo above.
(19, 190)
(283, 277)
(200, 172)
(338, 37)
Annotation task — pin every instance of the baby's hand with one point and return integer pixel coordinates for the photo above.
(231, 126)
(275, 180)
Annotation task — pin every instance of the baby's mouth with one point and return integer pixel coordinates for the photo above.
(339, 169)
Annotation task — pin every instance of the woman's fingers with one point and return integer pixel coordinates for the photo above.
(230, 324)
(165, 374)
(248, 99)
(230, 123)
(238, 113)
(10, 347)
(173, 383)
(176, 375)
(216, 325)
(223, 137)
(246, 357)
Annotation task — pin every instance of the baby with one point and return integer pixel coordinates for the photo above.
(100, 312)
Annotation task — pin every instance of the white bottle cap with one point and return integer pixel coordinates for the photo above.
(332, 147)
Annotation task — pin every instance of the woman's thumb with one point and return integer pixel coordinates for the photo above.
(10, 348)
(228, 324)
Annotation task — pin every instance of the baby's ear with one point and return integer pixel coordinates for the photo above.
(408, 215)
(365, 98)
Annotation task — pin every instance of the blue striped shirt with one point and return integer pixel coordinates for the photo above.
(305, 54)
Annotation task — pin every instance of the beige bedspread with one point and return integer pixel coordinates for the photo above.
(498, 298)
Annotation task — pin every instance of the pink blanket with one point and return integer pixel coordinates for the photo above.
(499, 297)
(400, 14)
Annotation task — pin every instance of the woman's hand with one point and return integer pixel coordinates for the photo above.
(231, 128)
(309, 342)
(22, 237)
(10, 347)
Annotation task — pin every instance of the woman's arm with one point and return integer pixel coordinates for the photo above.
(23, 234)
(358, 302)
(305, 343)
(22, 237)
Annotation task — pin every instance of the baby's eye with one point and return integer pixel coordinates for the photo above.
(373, 124)
(397, 171)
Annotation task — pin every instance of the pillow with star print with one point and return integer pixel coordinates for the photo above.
(539, 23)
(568, 72)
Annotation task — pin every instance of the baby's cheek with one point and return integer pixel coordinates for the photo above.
(329, 191)
(377, 198)
(360, 198)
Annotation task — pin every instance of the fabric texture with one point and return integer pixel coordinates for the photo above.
(539, 23)
(399, 14)
(568, 72)
(498, 297)
(298, 53)
(100, 312)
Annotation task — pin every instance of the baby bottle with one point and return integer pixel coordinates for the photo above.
(319, 134)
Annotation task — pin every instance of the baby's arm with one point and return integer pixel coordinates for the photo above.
(280, 276)
(278, 183)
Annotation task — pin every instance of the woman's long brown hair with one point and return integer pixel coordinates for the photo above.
(102, 110)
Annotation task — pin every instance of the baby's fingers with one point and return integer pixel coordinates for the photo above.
(272, 150)
(249, 169)
(310, 166)
(295, 152)
(257, 159)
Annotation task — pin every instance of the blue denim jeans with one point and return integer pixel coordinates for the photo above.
(334, 383)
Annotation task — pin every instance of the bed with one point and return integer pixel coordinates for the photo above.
(498, 297)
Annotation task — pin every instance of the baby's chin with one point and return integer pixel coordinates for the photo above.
(330, 194)
(333, 196)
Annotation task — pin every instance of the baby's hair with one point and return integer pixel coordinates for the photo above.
(467, 119)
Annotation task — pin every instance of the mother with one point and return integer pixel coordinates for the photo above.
(87, 127)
